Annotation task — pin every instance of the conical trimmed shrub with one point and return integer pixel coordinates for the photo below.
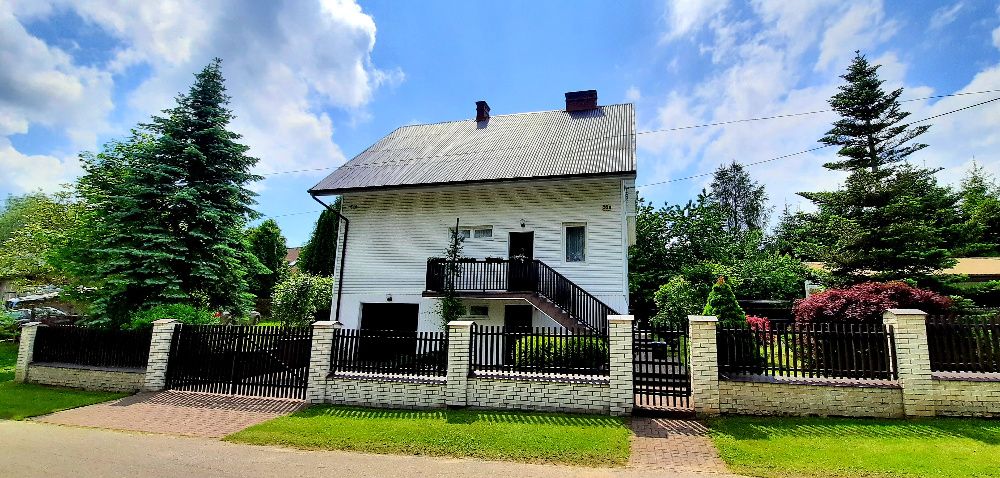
(722, 304)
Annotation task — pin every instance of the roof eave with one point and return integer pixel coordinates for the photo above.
(339, 191)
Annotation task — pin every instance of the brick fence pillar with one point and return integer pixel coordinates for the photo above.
(459, 344)
(26, 350)
(704, 364)
(159, 355)
(319, 359)
(620, 348)
(913, 361)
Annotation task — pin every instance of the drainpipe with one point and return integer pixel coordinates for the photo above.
(343, 252)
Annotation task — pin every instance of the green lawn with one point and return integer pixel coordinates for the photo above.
(21, 400)
(8, 357)
(527, 437)
(822, 447)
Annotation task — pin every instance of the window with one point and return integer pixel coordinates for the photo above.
(576, 243)
(474, 232)
(479, 310)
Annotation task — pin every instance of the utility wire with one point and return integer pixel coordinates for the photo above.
(664, 130)
(816, 148)
(694, 176)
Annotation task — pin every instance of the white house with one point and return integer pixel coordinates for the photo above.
(554, 189)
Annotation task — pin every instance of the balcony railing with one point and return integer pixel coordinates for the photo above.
(520, 276)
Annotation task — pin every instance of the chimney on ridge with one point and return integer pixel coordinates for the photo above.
(581, 100)
(482, 111)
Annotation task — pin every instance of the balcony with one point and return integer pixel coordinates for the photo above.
(532, 280)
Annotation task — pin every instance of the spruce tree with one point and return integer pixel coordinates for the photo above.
(319, 255)
(870, 131)
(165, 211)
(888, 221)
(742, 200)
(268, 246)
(209, 203)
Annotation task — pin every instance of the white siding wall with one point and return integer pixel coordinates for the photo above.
(392, 233)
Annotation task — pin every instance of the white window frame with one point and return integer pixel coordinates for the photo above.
(471, 231)
(565, 242)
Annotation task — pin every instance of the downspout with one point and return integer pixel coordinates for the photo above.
(343, 252)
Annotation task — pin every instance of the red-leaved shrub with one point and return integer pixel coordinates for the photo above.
(867, 302)
(758, 324)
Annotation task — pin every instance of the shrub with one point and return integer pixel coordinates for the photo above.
(10, 329)
(675, 300)
(758, 324)
(297, 299)
(867, 302)
(723, 305)
(560, 353)
(183, 313)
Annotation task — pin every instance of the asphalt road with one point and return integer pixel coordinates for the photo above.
(31, 449)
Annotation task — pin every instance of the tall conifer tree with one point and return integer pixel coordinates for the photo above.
(166, 210)
(320, 253)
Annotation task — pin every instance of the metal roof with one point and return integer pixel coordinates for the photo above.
(505, 147)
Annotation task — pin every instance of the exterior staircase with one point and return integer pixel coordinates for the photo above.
(531, 280)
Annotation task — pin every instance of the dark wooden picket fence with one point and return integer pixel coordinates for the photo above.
(661, 376)
(816, 350)
(964, 341)
(240, 360)
(539, 350)
(96, 347)
(390, 352)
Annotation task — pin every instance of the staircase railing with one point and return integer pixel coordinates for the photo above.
(515, 275)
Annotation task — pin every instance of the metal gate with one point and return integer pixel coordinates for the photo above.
(240, 360)
(661, 377)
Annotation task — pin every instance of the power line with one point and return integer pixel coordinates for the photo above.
(818, 147)
(663, 130)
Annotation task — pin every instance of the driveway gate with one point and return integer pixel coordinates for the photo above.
(661, 376)
(240, 360)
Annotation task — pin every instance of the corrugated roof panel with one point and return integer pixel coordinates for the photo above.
(515, 146)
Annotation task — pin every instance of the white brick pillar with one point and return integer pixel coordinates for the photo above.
(913, 361)
(703, 364)
(459, 356)
(319, 359)
(159, 355)
(26, 350)
(620, 348)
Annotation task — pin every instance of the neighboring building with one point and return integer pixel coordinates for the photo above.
(555, 187)
(977, 269)
(292, 256)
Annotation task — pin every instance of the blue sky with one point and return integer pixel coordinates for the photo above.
(314, 83)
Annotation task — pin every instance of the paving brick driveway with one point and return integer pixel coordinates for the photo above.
(678, 445)
(177, 413)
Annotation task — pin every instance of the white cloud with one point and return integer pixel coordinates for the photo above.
(40, 84)
(633, 94)
(787, 61)
(286, 64)
(996, 38)
(35, 172)
(943, 16)
(688, 16)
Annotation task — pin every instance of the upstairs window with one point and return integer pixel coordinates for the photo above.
(576, 242)
(473, 232)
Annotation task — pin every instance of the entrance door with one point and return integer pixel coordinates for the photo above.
(520, 276)
(521, 244)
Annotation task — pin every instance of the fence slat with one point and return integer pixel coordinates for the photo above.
(813, 350)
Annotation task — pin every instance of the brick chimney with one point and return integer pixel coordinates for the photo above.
(581, 100)
(482, 111)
